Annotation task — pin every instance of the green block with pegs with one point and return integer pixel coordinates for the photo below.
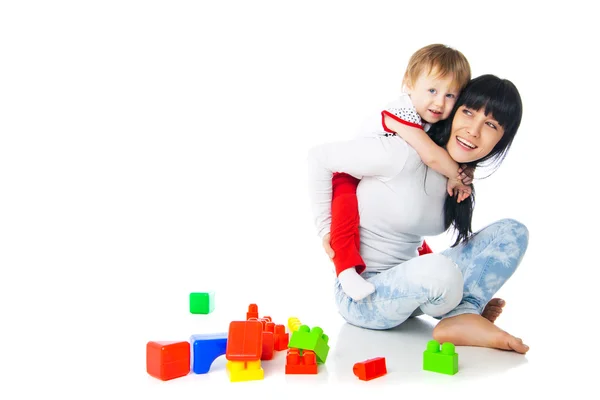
(202, 302)
(310, 339)
(444, 361)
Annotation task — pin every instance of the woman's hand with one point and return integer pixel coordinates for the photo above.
(466, 174)
(327, 246)
(459, 190)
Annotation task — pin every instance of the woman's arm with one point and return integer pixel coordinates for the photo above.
(377, 156)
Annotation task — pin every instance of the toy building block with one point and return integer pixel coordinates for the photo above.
(264, 321)
(281, 337)
(240, 371)
(252, 311)
(370, 369)
(202, 302)
(315, 340)
(268, 342)
(293, 324)
(244, 341)
(444, 362)
(167, 360)
(205, 349)
(296, 363)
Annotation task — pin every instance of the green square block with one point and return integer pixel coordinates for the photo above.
(311, 339)
(444, 361)
(202, 302)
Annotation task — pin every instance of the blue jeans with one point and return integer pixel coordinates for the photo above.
(457, 281)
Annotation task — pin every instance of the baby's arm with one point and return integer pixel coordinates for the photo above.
(432, 155)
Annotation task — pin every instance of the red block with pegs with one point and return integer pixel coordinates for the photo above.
(296, 363)
(252, 311)
(282, 338)
(370, 369)
(268, 346)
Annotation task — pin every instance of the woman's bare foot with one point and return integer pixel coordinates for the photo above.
(493, 309)
(475, 330)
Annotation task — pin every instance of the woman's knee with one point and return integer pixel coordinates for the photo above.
(446, 285)
(443, 270)
(515, 231)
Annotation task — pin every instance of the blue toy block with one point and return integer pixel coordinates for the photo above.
(206, 348)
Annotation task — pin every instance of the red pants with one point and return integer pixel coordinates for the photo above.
(345, 239)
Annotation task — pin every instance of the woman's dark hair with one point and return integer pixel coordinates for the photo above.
(495, 96)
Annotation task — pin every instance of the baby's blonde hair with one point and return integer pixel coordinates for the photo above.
(441, 60)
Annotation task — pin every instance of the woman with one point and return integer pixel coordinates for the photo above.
(401, 201)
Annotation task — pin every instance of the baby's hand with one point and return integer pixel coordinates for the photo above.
(327, 246)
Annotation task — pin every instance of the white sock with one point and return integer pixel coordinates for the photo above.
(354, 285)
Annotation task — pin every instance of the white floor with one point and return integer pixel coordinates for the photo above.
(151, 149)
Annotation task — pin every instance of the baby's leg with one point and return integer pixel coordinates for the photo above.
(431, 282)
(345, 239)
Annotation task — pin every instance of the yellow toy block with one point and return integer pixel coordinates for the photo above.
(240, 371)
(294, 323)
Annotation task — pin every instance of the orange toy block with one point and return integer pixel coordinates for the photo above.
(252, 311)
(268, 345)
(167, 360)
(282, 338)
(370, 369)
(296, 363)
(244, 341)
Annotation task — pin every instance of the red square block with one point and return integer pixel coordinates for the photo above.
(167, 360)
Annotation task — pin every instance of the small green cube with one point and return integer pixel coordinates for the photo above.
(444, 361)
(202, 302)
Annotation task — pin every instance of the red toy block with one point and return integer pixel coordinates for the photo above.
(167, 360)
(244, 341)
(282, 338)
(268, 346)
(296, 363)
(370, 369)
(252, 311)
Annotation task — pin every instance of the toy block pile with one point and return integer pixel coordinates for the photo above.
(245, 345)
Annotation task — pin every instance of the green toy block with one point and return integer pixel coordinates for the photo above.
(306, 339)
(444, 362)
(202, 302)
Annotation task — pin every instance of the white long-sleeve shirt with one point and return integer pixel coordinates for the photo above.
(397, 205)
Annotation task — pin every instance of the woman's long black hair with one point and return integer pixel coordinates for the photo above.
(500, 98)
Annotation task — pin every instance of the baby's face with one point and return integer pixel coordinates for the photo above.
(433, 96)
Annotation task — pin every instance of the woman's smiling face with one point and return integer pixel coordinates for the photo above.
(473, 135)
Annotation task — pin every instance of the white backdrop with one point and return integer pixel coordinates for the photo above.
(153, 148)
